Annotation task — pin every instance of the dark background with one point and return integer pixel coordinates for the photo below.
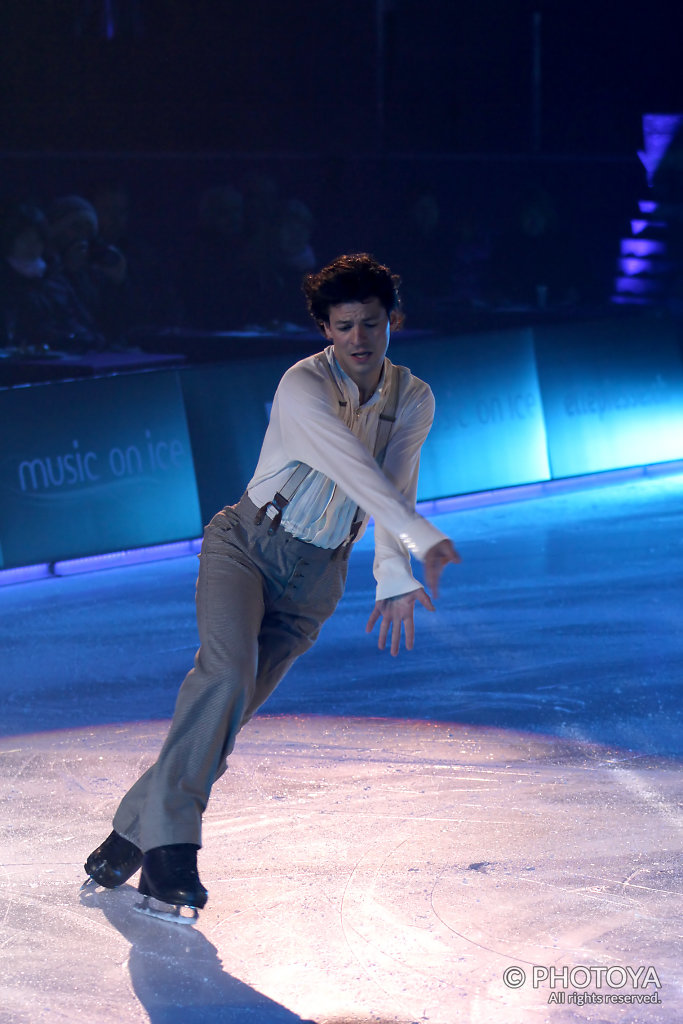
(356, 107)
(309, 75)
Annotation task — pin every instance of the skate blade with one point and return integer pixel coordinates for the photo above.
(172, 913)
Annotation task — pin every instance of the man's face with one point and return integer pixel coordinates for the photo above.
(359, 332)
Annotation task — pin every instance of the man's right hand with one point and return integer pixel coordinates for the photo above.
(435, 561)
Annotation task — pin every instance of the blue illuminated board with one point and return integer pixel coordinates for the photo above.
(93, 466)
(488, 428)
(612, 394)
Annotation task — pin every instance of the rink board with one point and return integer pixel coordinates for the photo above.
(93, 466)
(612, 394)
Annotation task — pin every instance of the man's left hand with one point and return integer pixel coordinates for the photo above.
(397, 612)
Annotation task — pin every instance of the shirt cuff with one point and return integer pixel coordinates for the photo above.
(419, 536)
(393, 572)
(395, 578)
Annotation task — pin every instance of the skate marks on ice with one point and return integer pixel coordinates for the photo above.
(176, 973)
(432, 857)
(359, 871)
(78, 952)
(99, 967)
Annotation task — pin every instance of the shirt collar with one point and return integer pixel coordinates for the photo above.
(351, 387)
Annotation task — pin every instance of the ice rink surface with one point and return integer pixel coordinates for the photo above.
(486, 830)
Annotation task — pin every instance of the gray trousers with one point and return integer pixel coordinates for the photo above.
(261, 601)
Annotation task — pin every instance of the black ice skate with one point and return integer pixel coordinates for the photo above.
(169, 877)
(113, 862)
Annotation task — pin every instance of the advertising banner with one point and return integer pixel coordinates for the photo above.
(93, 466)
(488, 429)
(612, 394)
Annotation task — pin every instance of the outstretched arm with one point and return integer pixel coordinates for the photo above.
(396, 613)
(307, 427)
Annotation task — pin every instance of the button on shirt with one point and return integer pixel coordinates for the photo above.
(320, 421)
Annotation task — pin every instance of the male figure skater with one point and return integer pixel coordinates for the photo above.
(343, 443)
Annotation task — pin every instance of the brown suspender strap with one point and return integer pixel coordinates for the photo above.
(282, 498)
(385, 424)
(274, 509)
(387, 417)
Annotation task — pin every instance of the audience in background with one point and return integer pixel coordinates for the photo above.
(261, 207)
(95, 271)
(38, 310)
(423, 249)
(277, 240)
(151, 297)
(84, 276)
(291, 258)
(245, 261)
(535, 260)
(212, 278)
(294, 236)
(471, 256)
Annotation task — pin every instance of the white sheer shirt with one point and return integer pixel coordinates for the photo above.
(307, 424)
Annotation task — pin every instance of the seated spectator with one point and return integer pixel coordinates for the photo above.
(295, 230)
(262, 208)
(424, 251)
(535, 262)
(151, 296)
(37, 311)
(97, 273)
(261, 211)
(111, 203)
(213, 276)
(471, 255)
(293, 258)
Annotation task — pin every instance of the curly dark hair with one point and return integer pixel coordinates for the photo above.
(352, 278)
